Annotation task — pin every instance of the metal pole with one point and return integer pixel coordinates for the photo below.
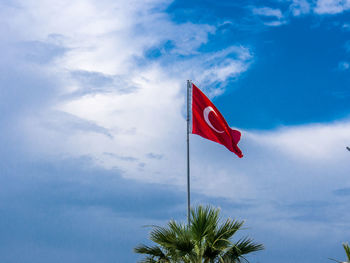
(188, 153)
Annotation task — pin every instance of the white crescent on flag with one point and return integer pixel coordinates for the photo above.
(206, 112)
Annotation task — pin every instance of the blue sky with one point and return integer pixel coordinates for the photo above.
(93, 125)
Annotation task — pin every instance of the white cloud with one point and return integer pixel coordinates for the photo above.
(270, 16)
(311, 143)
(300, 7)
(268, 11)
(331, 6)
(274, 23)
(104, 36)
(303, 7)
(136, 106)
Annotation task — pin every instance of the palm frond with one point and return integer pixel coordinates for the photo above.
(163, 236)
(335, 260)
(347, 250)
(148, 260)
(241, 248)
(221, 239)
(155, 254)
(203, 221)
(153, 251)
(143, 249)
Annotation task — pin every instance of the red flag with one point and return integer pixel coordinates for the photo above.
(208, 122)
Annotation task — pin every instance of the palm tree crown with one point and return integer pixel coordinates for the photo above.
(205, 240)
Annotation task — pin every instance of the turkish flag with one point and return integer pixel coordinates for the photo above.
(208, 122)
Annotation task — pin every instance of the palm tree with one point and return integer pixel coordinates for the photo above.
(347, 251)
(205, 240)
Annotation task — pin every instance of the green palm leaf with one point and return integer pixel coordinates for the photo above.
(154, 252)
(238, 250)
(347, 250)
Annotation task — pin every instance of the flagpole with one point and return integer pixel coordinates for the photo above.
(188, 153)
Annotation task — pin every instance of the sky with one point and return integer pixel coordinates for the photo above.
(93, 129)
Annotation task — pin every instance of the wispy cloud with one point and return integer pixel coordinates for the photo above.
(268, 11)
(300, 7)
(270, 16)
(296, 8)
(331, 6)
